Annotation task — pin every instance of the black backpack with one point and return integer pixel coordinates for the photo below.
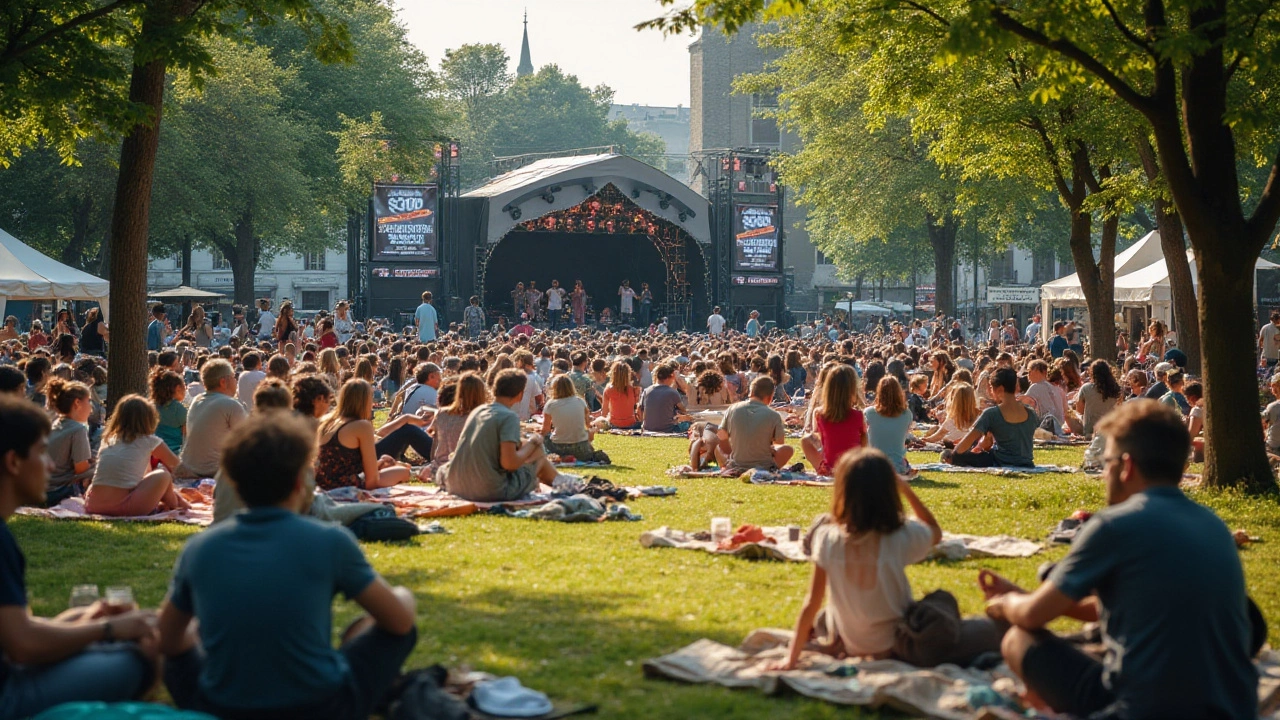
(382, 524)
(419, 695)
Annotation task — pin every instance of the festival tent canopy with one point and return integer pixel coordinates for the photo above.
(1150, 285)
(185, 292)
(850, 306)
(560, 183)
(27, 274)
(1066, 292)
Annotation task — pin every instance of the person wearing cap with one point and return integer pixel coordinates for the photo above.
(523, 328)
(1159, 388)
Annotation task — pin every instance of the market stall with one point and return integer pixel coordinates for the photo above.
(28, 274)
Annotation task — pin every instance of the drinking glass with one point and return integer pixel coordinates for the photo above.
(120, 596)
(83, 595)
(721, 529)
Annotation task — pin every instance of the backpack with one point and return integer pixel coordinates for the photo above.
(419, 695)
(382, 524)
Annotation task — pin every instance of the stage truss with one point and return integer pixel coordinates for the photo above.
(610, 212)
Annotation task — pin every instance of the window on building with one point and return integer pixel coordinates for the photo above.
(1002, 268)
(313, 261)
(764, 130)
(177, 261)
(820, 258)
(220, 261)
(315, 299)
(1043, 266)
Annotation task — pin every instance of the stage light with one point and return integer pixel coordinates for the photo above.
(548, 197)
(635, 193)
(515, 213)
(683, 216)
(665, 202)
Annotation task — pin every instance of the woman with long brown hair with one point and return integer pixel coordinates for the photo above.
(889, 423)
(839, 424)
(123, 482)
(469, 393)
(286, 329)
(620, 398)
(347, 456)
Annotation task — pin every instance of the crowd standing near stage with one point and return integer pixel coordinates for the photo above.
(276, 407)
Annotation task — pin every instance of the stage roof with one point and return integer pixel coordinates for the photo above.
(570, 180)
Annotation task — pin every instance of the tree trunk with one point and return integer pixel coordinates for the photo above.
(127, 354)
(1097, 280)
(942, 238)
(81, 219)
(243, 257)
(1186, 312)
(186, 260)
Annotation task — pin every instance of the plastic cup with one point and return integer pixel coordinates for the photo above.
(721, 529)
(120, 596)
(83, 596)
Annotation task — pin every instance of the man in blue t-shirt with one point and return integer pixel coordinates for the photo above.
(261, 586)
(1163, 576)
(156, 330)
(1059, 343)
(98, 652)
(426, 319)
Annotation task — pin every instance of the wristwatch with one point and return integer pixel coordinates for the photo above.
(108, 634)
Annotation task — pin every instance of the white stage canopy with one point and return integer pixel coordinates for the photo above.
(1066, 292)
(27, 274)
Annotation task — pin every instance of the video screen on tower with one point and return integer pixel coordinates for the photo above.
(404, 219)
(755, 236)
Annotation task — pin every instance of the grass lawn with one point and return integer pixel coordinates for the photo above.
(574, 610)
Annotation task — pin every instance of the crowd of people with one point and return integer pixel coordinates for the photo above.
(275, 410)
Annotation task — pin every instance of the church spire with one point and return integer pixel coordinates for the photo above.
(526, 63)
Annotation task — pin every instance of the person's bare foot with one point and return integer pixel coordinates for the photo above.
(994, 585)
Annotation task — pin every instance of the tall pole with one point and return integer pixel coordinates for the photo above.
(974, 304)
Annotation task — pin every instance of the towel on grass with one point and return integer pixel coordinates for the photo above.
(1005, 471)
(755, 477)
(778, 545)
(200, 512)
(942, 692)
(644, 433)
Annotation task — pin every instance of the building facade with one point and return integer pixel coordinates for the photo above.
(721, 119)
(313, 281)
(669, 123)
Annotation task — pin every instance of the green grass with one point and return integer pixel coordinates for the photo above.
(574, 610)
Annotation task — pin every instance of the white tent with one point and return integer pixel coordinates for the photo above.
(1150, 286)
(1066, 292)
(851, 306)
(27, 274)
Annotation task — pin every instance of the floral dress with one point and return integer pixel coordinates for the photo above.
(473, 316)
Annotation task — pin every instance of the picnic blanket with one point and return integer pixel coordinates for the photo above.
(946, 692)
(1006, 471)
(756, 477)
(72, 508)
(581, 464)
(644, 433)
(779, 546)
(1063, 442)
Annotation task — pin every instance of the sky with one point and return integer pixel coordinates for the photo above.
(593, 39)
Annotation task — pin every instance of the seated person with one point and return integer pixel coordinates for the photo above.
(918, 385)
(491, 464)
(756, 435)
(564, 422)
(348, 455)
(961, 413)
(1164, 576)
(620, 398)
(210, 419)
(69, 448)
(1174, 398)
(860, 553)
(277, 661)
(1195, 419)
(123, 482)
(706, 447)
(457, 399)
(1004, 435)
(423, 392)
(99, 653)
(1048, 400)
(712, 391)
(661, 409)
(838, 422)
(168, 392)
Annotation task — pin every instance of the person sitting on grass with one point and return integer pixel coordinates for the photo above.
(1174, 398)
(1195, 419)
(1004, 435)
(210, 419)
(755, 432)
(348, 456)
(706, 447)
(889, 423)
(1163, 575)
(661, 408)
(620, 397)
(99, 653)
(69, 447)
(278, 661)
(491, 463)
(838, 423)
(312, 396)
(961, 413)
(124, 484)
(167, 393)
(467, 393)
(564, 422)
(861, 551)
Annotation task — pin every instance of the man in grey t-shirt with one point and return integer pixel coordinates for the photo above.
(660, 404)
(755, 432)
(210, 420)
(1163, 576)
(490, 463)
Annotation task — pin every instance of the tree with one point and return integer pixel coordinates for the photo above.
(1199, 73)
(230, 175)
(165, 35)
(476, 77)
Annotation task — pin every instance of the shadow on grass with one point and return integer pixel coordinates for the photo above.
(925, 482)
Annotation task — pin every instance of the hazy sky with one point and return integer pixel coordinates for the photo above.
(593, 39)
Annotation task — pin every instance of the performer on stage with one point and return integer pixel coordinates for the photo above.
(646, 306)
(628, 295)
(578, 301)
(533, 301)
(518, 297)
(555, 303)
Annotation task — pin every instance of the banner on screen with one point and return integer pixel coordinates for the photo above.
(1268, 288)
(755, 234)
(404, 222)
